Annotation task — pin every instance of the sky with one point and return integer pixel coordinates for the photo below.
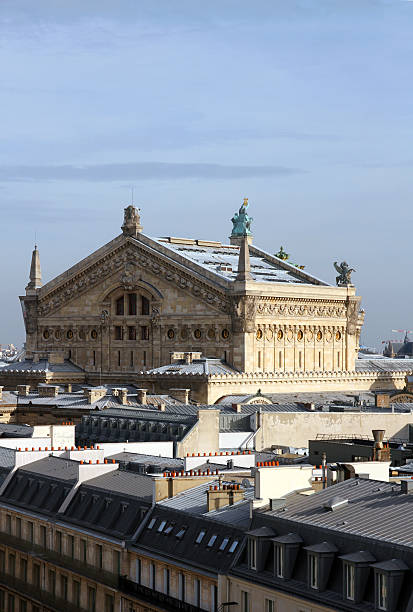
(305, 107)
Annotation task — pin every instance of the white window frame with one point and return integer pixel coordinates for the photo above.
(314, 570)
(269, 605)
(279, 560)
(350, 581)
(252, 553)
(382, 591)
(245, 601)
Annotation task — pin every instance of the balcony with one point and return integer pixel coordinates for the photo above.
(148, 595)
(36, 595)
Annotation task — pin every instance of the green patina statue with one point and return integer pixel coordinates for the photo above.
(242, 221)
(282, 254)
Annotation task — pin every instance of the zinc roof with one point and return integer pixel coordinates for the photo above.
(375, 509)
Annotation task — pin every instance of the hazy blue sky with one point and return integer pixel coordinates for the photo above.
(304, 106)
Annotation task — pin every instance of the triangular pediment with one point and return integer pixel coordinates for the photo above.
(128, 261)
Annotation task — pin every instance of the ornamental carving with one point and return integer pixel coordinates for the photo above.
(127, 258)
(297, 309)
(352, 315)
(244, 311)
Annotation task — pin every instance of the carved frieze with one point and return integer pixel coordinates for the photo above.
(127, 260)
(299, 308)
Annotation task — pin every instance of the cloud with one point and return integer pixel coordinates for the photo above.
(139, 171)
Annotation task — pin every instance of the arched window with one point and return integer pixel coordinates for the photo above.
(120, 309)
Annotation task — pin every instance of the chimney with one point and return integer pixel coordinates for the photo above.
(381, 452)
(244, 266)
(237, 407)
(162, 407)
(69, 387)
(94, 394)
(123, 396)
(48, 390)
(23, 390)
(1, 392)
(188, 358)
(35, 273)
(142, 396)
(182, 395)
(219, 496)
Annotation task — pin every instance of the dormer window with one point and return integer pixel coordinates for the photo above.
(388, 579)
(259, 545)
(286, 549)
(356, 570)
(320, 559)
(200, 537)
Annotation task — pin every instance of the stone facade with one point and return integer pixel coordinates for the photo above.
(129, 305)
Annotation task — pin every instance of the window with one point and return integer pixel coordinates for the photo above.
(214, 597)
(245, 601)
(8, 524)
(131, 359)
(120, 308)
(83, 550)
(212, 540)
(18, 527)
(313, 570)
(145, 305)
(94, 358)
(279, 561)
(23, 606)
(349, 578)
(2, 561)
(36, 575)
(152, 583)
(233, 546)
(71, 542)
(269, 605)
(23, 569)
(99, 556)
(151, 523)
(118, 358)
(118, 332)
(91, 599)
(12, 565)
(197, 592)
(43, 536)
(2, 600)
(131, 333)
(132, 303)
(338, 359)
(63, 587)
(252, 553)
(280, 359)
(223, 544)
(11, 603)
(382, 586)
(181, 586)
(300, 359)
(144, 358)
(52, 582)
(138, 571)
(116, 562)
(259, 359)
(168, 530)
(109, 603)
(144, 332)
(181, 533)
(319, 359)
(76, 593)
(166, 581)
(161, 526)
(30, 530)
(59, 541)
(200, 537)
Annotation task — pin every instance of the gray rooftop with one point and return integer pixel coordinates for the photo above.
(54, 467)
(125, 483)
(222, 261)
(204, 366)
(43, 365)
(375, 509)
